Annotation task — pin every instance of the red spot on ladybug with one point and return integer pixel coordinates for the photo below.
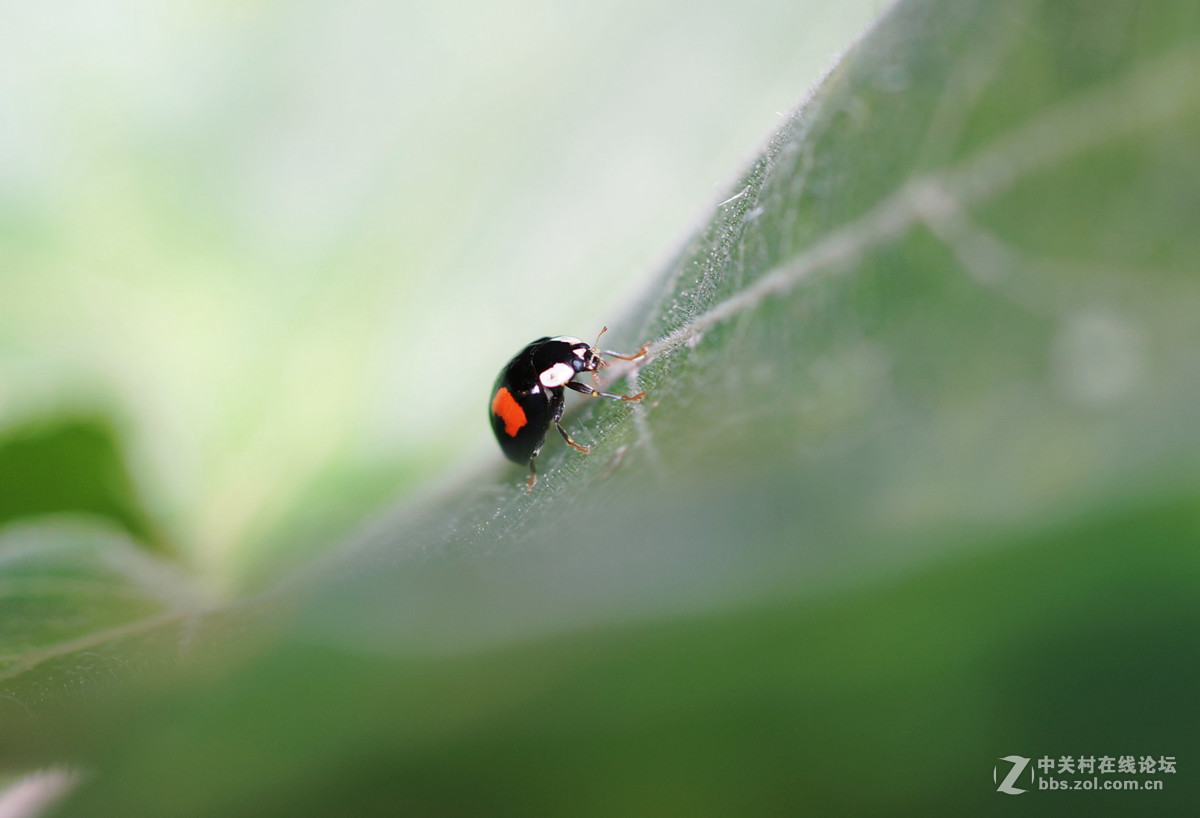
(505, 407)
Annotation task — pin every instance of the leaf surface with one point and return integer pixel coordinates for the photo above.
(915, 487)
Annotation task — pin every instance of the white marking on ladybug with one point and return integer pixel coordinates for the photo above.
(556, 375)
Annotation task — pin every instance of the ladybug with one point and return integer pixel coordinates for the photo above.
(528, 395)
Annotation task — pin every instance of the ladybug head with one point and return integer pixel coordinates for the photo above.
(586, 359)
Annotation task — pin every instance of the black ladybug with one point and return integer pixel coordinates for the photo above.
(528, 395)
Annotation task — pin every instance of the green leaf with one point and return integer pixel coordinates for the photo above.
(70, 464)
(915, 487)
(81, 608)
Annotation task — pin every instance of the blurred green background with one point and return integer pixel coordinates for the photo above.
(279, 250)
(916, 484)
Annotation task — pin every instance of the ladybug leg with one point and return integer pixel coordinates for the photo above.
(532, 476)
(587, 390)
(640, 353)
(558, 413)
(617, 355)
(571, 443)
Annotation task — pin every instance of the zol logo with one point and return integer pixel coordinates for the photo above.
(1019, 763)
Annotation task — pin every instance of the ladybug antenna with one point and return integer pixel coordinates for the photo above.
(596, 348)
(635, 356)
